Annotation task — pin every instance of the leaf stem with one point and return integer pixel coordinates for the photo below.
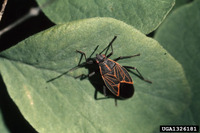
(3, 8)
(32, 12)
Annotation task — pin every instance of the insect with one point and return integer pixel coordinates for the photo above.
(116, 77)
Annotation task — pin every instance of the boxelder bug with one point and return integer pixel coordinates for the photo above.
(116, 78)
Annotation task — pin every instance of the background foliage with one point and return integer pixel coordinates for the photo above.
(184, 46)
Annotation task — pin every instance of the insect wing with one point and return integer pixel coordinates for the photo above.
(126, 89)
(117, 79)
(122, 75)
(112, 83)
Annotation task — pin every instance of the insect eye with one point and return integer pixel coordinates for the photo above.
(104, 56)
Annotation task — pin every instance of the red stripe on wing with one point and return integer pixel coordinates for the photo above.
(122, 74)
(112, 83)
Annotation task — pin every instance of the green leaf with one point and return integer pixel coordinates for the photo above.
(180, 35)
(144, 15)
(184, 119)
(11, 119)
(180, 3)
(67, 104)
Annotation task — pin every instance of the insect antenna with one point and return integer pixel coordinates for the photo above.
(72, 69)
(94, 51)
(110, 44)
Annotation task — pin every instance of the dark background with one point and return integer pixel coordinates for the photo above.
(14, 10)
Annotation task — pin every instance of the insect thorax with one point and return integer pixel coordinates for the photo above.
(106, 66)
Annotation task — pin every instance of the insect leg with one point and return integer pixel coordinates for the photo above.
(91, 74)
(95, 94)
(82, 54)
(140, 75)
(104, 90)
(115, 102)
(83, 76)
(125, 57)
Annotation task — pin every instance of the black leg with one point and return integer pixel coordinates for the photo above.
(83, 76)
(105, 94)
(104, 90)
(82, 54)
(74, 68)
(95, 94)
(140, 75)
(115, 102)
(125, 57)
